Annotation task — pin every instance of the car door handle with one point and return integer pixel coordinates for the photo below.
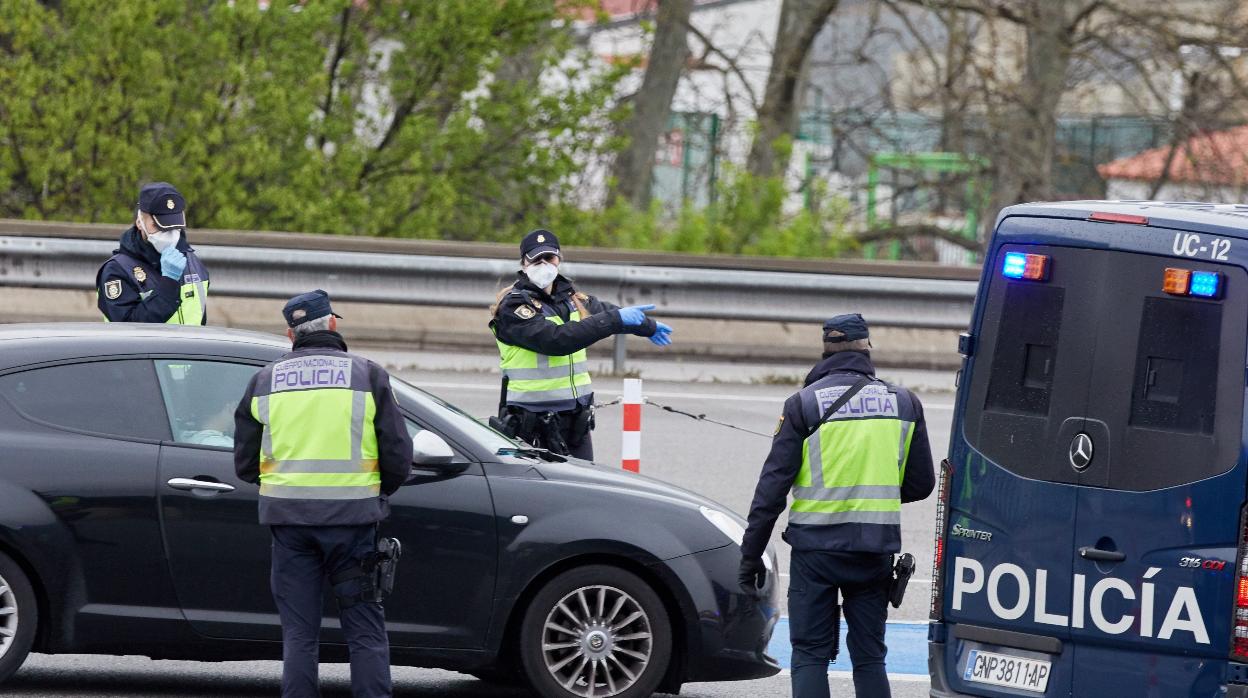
(1090, 553)
(186, 483)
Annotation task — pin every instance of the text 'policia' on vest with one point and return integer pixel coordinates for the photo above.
(155, 276)
(320, 431)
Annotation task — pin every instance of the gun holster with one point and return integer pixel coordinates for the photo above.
(902, 570)
(549, 433)
(376, 573)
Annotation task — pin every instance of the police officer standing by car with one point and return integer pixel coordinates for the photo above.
(155, 276)
(542, 325)
(320, 431)
(851, 449)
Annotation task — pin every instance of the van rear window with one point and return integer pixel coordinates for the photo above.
(1026, 351)
(1156, 381)
(1176, 366)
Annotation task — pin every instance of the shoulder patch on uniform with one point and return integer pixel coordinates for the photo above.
(778, 425)
(524, 312)
(112, 289)
(139, 274)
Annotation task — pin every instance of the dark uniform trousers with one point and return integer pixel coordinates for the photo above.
(304, 557)
(862, 580)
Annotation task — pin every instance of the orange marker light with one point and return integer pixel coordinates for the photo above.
(1177, 281)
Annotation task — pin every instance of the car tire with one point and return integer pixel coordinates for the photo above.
(19, 617)
(596, 623)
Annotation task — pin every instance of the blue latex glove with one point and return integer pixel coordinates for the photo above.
(663, 335)
(172, 263)
(634, 315)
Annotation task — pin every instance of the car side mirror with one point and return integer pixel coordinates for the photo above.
(429, 449)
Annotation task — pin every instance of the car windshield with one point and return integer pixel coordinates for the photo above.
(419, 401)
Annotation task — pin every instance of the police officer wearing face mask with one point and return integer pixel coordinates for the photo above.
(542, 325)
(155, 276)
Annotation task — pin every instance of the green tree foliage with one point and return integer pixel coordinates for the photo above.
(747, 218)
(406, 118)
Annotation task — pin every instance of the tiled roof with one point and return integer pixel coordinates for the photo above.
(1218, 157)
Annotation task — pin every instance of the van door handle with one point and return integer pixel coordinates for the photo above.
(185, 483)
(1090, 553)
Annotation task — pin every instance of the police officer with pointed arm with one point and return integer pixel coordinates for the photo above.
(321, 433)
(155, 275)
(851, 449)
(542, 325)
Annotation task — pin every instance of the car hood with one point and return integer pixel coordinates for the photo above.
(582, 472)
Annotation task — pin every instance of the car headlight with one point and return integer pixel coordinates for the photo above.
(732, 528)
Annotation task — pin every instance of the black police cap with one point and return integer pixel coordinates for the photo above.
(845, 328)
(538, 243)
(165, 203)
(306, 307)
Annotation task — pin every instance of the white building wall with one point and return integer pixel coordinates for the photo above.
(1135, 190)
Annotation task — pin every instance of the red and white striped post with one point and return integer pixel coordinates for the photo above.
(630, 443)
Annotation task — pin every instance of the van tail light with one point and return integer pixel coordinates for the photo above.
(938, 553)
(1239, 624)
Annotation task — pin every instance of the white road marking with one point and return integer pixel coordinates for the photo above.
(664, 395)
(912, 581)
(849, 675)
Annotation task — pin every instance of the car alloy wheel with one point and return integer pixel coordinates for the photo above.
(9, 616)
(18, 617)
(597, 641)
(596, 632)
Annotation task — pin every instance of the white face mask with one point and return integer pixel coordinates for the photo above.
(164, 239)
(161, 240)
(543, 274)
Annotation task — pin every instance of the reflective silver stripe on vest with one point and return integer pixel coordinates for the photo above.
(524, 374)
(814, 450)
(901, 450)
(841, 494)
(844, 517)
(202, 293)
(297, 492)
(359, 405)
(266, 440)
(540, 395)
(312, 465)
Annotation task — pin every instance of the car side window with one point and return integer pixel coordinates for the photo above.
(200, 398)
(119, 398)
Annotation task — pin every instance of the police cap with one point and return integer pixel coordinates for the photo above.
(845, 328)
(538, 243)
(306, 307)
(165, 203)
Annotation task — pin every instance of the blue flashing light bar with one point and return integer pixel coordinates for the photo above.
(1015, 265)
(1205, 284)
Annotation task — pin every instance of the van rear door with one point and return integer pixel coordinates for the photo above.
(1156, 530)
(1012, 497)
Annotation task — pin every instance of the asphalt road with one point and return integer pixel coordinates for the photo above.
(716, 461)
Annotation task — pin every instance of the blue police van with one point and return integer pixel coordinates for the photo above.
(1091, 516)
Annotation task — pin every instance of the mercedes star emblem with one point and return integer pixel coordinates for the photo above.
(1081, 451)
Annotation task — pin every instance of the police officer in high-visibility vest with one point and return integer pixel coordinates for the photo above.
(849, 469)
(542, 325)
(320, 431)
(155, 276)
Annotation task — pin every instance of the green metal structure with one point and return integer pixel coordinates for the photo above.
(926, 163)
